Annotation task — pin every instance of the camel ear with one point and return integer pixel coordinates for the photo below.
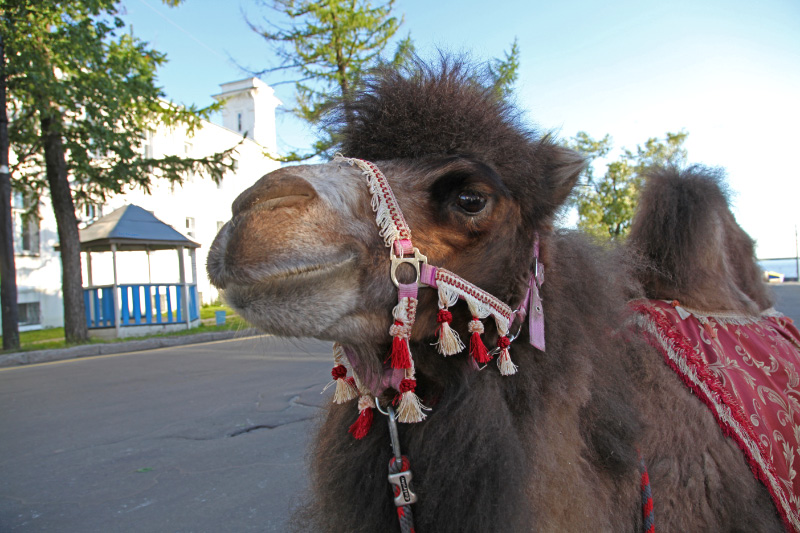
(563, 168)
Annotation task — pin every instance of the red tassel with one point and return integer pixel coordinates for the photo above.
(476, 347)
(362, 425)
(401, 355)
(478, 350)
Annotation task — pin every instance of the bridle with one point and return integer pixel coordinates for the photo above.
(401, 374)
(396, 234)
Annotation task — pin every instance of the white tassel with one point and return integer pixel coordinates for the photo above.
(449, 342)
(504, 363)
(410, 409)
(345, 387)
(345, 391)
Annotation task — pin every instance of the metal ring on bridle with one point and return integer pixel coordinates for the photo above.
(390, 412)
(413, 261)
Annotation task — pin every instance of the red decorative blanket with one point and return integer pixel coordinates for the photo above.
(745, 369)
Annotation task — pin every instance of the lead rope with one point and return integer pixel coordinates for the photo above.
(400, 478)
(648, 520)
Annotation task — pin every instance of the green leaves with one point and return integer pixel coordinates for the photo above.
(73, 61)
(504, 72)
(330, 45)
(606, 204)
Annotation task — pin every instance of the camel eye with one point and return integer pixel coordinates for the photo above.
(471, 202)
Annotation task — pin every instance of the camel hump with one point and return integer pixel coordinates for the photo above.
(693, 249)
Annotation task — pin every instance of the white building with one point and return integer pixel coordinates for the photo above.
(197, 209)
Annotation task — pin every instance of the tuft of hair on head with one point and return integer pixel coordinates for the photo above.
(449, 108)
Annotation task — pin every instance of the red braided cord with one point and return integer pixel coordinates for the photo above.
(404, 513)
(338, 372)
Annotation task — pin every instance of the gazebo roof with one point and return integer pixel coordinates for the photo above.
(132, 228)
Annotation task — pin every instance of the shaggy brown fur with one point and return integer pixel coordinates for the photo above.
(552, 448)
(697, 252)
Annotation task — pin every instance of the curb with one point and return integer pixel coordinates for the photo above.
(89, 350)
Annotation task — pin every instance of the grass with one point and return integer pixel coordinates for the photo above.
(53, 338)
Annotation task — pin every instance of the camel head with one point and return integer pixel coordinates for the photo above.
(302, 254)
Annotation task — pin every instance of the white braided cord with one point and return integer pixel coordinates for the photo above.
(481, 303)
(388, 216)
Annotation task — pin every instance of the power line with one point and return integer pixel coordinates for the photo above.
(195, 39)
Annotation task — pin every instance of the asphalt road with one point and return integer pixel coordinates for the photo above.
(787, 300)
(200, 438)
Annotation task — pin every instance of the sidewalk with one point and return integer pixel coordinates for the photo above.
(136, 345)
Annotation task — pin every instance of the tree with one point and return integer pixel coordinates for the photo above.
(8, 270)
(81, 94)
(329, 45)
(606, 203)
(504, 72)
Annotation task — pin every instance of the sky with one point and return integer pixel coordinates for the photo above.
(725, 71)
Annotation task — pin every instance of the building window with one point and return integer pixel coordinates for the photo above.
(147, 144)
(190, 226)
(26, 226)
(29, 314)
(91, 212)
(239, 121)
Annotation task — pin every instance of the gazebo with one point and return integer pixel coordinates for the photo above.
(133, 309)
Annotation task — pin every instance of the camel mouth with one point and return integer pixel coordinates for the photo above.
(306, 272)
(276, 300)
(278, 275)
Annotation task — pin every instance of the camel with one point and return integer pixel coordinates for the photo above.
(562, 435)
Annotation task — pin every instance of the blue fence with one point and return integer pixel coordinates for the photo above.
(139, 305)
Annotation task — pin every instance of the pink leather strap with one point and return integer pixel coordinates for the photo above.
(403, 247)
(536, 310)
(407, 290)
(427, 275)
(536, 318)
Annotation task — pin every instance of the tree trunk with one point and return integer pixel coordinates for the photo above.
(8, 270)
(75, 329)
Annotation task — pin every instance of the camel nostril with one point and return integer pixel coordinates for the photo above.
(275, 192)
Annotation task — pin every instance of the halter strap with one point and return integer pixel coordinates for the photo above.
(397, 236)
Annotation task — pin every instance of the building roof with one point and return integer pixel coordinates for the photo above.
(132, 228)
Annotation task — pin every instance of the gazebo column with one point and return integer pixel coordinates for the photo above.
(93, 311)
(89, 268)
(184, 287)
(193, 257)
(149, 270)
(117, 299)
